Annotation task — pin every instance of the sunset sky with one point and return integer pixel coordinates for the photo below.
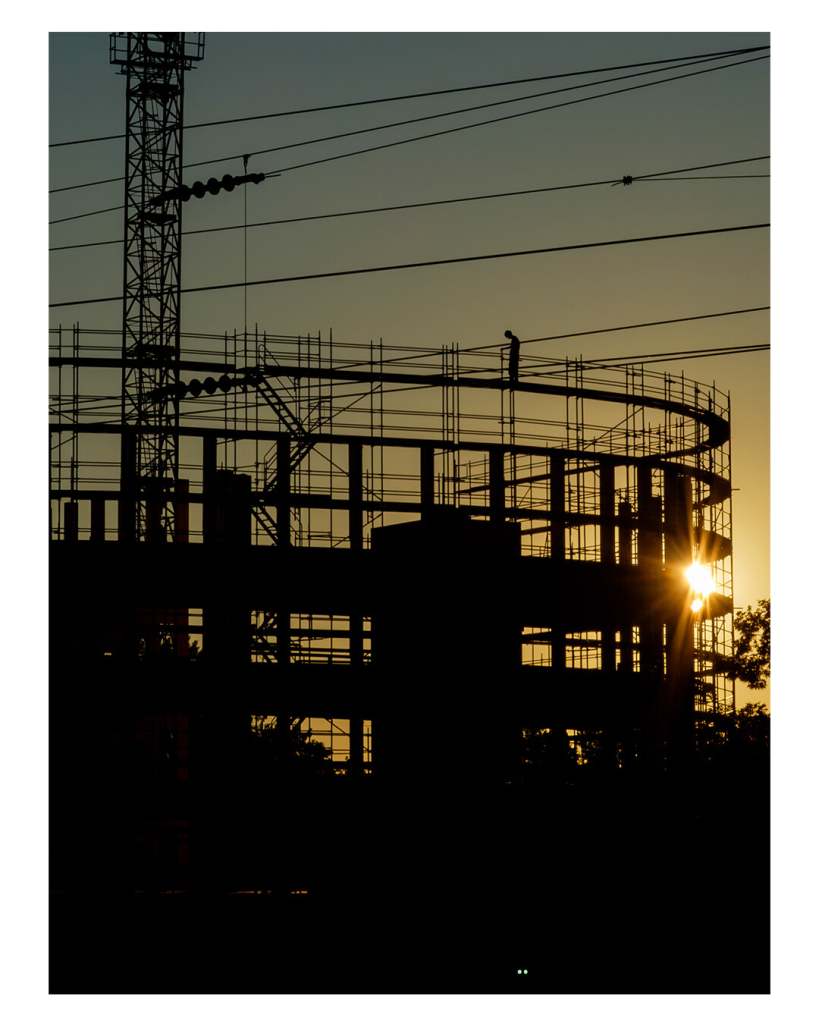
(710, 118)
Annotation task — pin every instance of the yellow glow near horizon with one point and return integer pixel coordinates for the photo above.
(700, 579)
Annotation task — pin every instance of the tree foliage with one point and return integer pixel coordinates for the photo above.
(751, 660)
(305, 757)
(736, 738)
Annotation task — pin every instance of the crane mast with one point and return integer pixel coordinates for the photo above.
(154, 64)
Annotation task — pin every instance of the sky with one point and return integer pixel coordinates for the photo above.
(700, 120)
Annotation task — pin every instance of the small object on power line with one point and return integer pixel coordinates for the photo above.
(627, 180)
(199, 189)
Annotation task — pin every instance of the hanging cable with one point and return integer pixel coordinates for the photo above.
(449, 131)
(437, 92)
(245, 158)
(442, 202)
(625, 327)
(452, 113)
(435, 263)
(397, 124)
(509, 117)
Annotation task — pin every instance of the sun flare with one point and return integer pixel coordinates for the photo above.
(700, 579)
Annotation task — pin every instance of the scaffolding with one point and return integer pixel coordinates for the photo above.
(333, 441)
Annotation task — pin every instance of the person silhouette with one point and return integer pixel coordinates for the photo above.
(514, 356)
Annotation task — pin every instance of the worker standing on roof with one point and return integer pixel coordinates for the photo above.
(514, 357)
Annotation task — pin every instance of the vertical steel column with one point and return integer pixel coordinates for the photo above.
(356, 768)
(282, 491)
(427, 480)
(97, 519)
(625, 539)
(649, 559)
(72, 520)
(355, 495)
(126, 506)
(208, 486)
(607, 554)
(557, 536)
(557, 506)
(679, 690)
(497, 486)
(182, 513)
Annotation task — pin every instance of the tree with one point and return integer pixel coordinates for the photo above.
(305, 757)
(736, 739)
(751, 660)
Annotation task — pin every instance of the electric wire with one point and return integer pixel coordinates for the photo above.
(509, 117)
(433, 263)
(451, 113)
(693, 354)
(606, 362)
(707, 177)
(437, 92)
(443, 202)
(624, 327)
(450, 131)
(393, 124)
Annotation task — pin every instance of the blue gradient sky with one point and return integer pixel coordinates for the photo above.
(720, 116)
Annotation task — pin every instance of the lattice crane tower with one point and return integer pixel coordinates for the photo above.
(155, 64)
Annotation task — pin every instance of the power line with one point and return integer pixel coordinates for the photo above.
(443, 202)
(437, 92)
(449, 113)
(393, 124)
(460, 128)
(509, 117)
(625, 327)
(664, 357)
(86, 184)
(607, 362)
(707, 177)
(433, 263)
(79, 216)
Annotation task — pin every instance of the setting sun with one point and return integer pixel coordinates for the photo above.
(700, 579)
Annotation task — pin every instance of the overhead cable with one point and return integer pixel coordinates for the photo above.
(440, 202)
(509, 117)
(432, 263)
(450, 113)
(625, 327)
(460, 128)
(436, 92)
(395, 124)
